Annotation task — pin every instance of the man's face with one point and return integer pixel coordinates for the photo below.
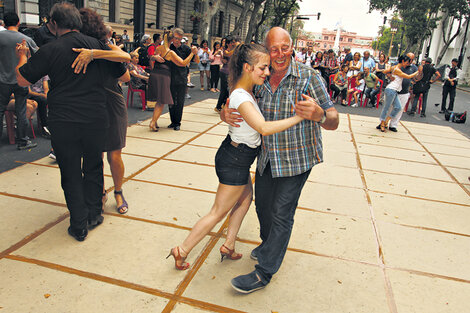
(412, 57)
(177, 40)
(366, 55)
(280, 51)
(310, 50)
(366, 70)
(454, 64)
(232, 45)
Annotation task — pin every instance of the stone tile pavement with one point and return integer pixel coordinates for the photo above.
(382, 226)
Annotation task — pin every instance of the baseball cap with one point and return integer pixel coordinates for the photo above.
(428, 60)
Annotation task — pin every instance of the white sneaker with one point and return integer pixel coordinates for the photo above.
(52, 155)
(190, 85)
(188, 96)
(354, 105)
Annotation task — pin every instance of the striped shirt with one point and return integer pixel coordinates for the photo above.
(297, 149)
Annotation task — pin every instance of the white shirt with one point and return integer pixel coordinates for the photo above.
(244, 134)
(2, 28)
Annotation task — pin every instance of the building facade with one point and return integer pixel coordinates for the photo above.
(326, 40)
(159, 14)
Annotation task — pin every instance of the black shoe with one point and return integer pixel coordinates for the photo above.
(423, 115)
(171, 125)
(442, 111)
(393, 129)
(247, 283)
(79, 235)
(436, 104)
(411, 113)
(177, 127)
(26, 145)
(95, 222)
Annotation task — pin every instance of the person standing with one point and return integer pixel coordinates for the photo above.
(228, 51)
(348, 55)
(216, 62)
(125, 36)
(284, 164)
(179, 78)
(9, 39)
(367, 61)
(451, 78)
(422, 86)
(77, 111)
(204, 64)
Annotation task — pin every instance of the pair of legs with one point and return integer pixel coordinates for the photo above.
(20, 94)
(178, 93)
(215, 74)
(337, 91)
(391, 102)
(416, 99)
(208, 78)
(448, 90)
(354, 93)
(371, 93)
(224, 92)
(157, 111)
(403, 98)
(233, 199)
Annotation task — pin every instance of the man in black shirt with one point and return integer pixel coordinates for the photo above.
(77, 113)
(179, 79)
(422, 86)
(451, 78)
(44, 34)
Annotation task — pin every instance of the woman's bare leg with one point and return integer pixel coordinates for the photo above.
(117, 171)
(157, 111)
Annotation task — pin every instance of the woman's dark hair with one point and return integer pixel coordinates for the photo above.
(215, 44)
(316, 55)
(344, 65)
(403, 58)
(382, 54)
(156, 37)
(203, 42)
(93, 24)
(358, 54)
(66, 16)
(224, 40)
(244, 53)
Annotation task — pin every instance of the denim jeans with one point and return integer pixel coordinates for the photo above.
(425, 101)
(276, 200)
(391, 98)
(21, 94)
(371, 93)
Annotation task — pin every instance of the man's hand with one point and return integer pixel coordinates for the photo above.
(230, 116)
(158, 58)
(309, 109)
(22, 49)
(83, 59)
(194, 50)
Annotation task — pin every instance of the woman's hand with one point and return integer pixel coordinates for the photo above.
(22, 49)
(82, 60)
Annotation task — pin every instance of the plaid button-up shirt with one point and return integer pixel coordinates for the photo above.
(297, 149)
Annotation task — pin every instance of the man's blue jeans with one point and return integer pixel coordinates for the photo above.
(371, 93)
(276, 200)
(425, 101)
(21, 94)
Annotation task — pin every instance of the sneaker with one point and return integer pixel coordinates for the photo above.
(190, 85)
(423, 115)
(442, 111)
(26, 145)
(188, 96)
(46, 133)
(247, 283)
(437, 104)
(411, 113)
(253, 255)
(177, 127)
(393, 129)
(52, 155)
(354, 105)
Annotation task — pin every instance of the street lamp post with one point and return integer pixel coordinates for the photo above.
(393, 30)
(301, 17)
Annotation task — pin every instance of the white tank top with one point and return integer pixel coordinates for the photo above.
(396, 83)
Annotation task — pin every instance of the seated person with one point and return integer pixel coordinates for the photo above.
(38, 92)
(372, 85)
(356, 90)
(31, 107)
(139, 77)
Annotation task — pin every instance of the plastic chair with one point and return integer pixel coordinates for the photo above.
(420, 104)
(351, 84)
(332, 77)
(130, 92)
(10, 121)
(377, 98)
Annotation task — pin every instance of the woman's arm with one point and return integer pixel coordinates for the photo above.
(173, 57)
(45, 86)
(399, 72)
(265, 128)
(135, 74)
(87, 55)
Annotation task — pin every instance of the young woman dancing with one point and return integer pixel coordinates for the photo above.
(249, 66)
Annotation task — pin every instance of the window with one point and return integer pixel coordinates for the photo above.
(221, 24)
(325, 38)
(324, 45)
(349, 39)
(112, 10)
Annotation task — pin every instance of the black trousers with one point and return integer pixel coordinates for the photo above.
(42, 108)
(448, 90)
(224, 93)
(21, 94)
(178, 92)
(215, 75)
(82, 181)
(338, 91)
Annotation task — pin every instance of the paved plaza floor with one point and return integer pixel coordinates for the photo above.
(383, 225)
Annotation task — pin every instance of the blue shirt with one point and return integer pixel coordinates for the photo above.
(370, 63)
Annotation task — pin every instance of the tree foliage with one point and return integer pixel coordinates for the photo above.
(382, 43)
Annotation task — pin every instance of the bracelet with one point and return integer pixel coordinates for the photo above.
(92, 54)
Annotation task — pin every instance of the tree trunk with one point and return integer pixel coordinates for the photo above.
(242, 19)
(208, 13)
(264, 15)
(253, 20)
(448, 40)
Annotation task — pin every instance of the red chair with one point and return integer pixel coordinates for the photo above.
(351, 84)
(130, 92)
(420, 104)
(332, 77)
(10, 121)
(377, 99)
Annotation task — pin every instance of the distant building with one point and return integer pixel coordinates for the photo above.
(326, 40)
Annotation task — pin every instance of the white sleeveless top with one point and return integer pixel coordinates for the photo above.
(396, 83)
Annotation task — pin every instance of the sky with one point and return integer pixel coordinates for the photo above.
(353, 15)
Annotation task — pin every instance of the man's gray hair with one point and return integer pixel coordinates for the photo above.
(2, 23)
(178, 31)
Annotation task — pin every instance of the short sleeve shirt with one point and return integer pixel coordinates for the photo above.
(243, 134)
(73, 98)
(297, 149)
(179, 74)
(371, 80)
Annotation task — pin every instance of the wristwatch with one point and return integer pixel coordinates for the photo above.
(323, 118)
